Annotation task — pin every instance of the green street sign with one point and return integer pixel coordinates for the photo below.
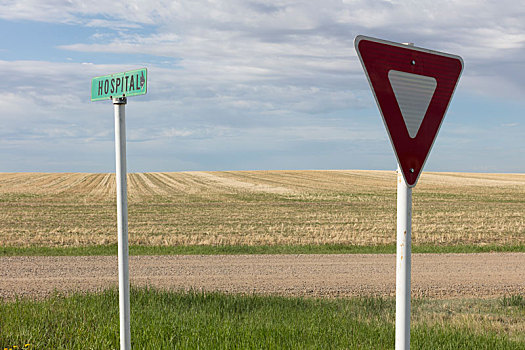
(131, 83)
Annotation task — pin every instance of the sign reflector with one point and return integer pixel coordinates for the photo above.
(413, 94)
(412, 87)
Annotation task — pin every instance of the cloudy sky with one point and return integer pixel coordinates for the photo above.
(249, 84)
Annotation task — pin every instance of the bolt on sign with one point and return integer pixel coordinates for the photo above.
(131, 83)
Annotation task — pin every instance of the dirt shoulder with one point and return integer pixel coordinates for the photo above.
(433, 275)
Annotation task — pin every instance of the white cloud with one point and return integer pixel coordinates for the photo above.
(266, 69)
(78, 11)
(510, 125)
(302, 42)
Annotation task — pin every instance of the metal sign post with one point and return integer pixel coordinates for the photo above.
(117, 87)
(412, 87)
(403, 262)
(122, 221)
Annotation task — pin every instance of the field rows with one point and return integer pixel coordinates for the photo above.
(260, 207)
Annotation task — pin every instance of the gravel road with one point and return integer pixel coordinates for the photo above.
(433, 275)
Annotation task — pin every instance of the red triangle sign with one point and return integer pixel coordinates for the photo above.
(412, 87)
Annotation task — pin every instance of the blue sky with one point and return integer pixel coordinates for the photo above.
(249, 85)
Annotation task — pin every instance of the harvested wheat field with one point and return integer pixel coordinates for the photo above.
(260, 208)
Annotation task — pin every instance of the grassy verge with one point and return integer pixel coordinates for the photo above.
(190, 320)
(241, 249)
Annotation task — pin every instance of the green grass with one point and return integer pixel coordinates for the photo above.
(191, 320)
(513, 300)
(260, 249)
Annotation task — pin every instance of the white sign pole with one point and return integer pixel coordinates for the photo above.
(122, 221)
(403, 262)
(412, 86)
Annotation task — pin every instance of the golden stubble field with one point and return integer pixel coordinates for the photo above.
(260, 208)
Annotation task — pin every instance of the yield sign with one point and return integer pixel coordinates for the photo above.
(412, 87)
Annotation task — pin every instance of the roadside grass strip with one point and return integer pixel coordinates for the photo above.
(111, 250)
(201, 320)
